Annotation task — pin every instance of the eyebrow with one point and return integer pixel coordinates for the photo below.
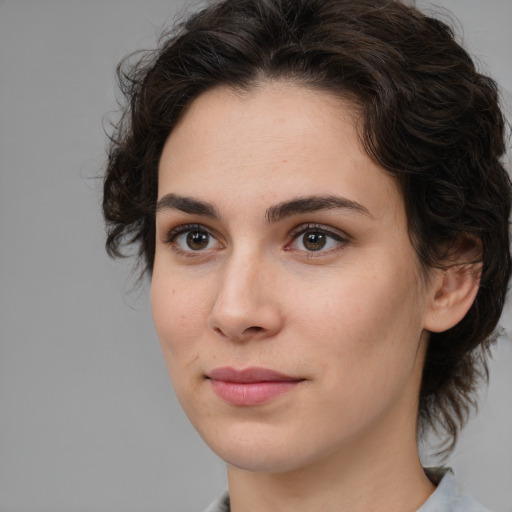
(312, 204)
(187, 205)
(280, 211)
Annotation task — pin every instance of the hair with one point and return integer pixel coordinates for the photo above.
(428, 118)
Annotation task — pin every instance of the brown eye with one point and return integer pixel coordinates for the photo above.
(311, 239)
(192, 239)
(197, 240)
(314, 241)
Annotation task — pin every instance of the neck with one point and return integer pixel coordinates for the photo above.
(381, 471)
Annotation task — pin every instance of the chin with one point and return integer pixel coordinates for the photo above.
(265, 450)
(255, 448)
(259, 460)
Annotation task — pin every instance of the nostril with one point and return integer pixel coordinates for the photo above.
(254, 328)
(246, 333)
(218, 331)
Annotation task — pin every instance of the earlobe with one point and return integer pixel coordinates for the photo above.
(453, 291)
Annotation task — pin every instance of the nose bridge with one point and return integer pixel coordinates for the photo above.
(244, 305)
(241, 270)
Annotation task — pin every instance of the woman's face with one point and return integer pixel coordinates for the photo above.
(286, 294)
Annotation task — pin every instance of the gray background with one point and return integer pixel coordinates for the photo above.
(88, 421)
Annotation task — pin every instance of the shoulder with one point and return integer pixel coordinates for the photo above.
(221, 504)
(448, 498)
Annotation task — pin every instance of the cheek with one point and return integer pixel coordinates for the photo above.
(367, 323)
(179, 315)
(364, 344)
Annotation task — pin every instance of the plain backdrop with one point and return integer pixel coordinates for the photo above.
(88, 420)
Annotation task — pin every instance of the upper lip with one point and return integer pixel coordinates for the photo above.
(247, 375)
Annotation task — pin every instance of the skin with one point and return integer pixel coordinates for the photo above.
(350, 320)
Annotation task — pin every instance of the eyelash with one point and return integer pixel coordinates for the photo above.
(341, 240)
(182, 229)
(295, 235)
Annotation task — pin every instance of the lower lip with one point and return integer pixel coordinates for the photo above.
(250, 393)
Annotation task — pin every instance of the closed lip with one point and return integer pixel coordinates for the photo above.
(250, 386)
(249, 375)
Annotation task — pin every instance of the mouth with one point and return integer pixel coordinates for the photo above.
(250, 386)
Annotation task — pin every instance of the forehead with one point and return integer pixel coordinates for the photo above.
(272, 141)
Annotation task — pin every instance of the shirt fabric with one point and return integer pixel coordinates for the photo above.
(446, 498)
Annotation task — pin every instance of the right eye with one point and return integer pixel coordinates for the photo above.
(192, 239)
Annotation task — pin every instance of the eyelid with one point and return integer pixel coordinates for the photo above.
(174, 232)
(339, 236)
(181, 229)
(314, 226)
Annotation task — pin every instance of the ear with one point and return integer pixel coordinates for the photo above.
(452, 292)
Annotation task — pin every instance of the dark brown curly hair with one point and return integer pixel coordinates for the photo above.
(428, 118)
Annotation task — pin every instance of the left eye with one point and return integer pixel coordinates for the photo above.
(316, 240)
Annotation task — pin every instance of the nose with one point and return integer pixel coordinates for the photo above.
(246, 305)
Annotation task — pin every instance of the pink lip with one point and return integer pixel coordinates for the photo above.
(251, 386)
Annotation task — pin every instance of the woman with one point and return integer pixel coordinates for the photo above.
(315, 189)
